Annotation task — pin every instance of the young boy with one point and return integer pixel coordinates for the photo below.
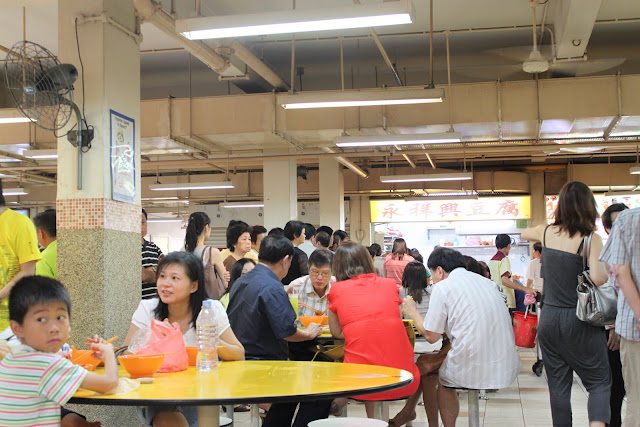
(34, 379)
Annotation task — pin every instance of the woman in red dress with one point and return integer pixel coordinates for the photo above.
(364, 310)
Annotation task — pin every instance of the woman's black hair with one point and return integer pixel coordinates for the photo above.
(293, 229)
(276, 231)
(236, 271)
(414, 279)
(197, 222)
(194, 269)
(234, 232)
(473, 265)
(375, 250)
(606, 215)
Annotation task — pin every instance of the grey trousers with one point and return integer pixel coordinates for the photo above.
(570, 345)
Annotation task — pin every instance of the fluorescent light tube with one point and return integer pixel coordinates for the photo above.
(165, 220)
(461, 176)
(4, 120)
(297, 21)
(621, 193)
(230, 205)
(14, 191)
(634, 170)
(192, 186)
(415, 139)
(41, 154)
(360, 98)
(443, 196)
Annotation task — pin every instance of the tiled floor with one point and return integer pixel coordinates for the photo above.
(525, 403)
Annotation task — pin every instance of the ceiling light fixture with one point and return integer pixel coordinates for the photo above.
(41, 154)
(4, 120)
(443, 196)
(297, 20)
(192, 186)
(165, 220)
(453, 176)
(18, 191)
(381, 140)
(360, 98)
(231, 205)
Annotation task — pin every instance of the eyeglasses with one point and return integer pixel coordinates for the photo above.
(317, 273)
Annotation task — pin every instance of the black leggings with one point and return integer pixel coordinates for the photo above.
(570, 345)
(617, 387)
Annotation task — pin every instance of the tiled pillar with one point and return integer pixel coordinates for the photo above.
(280, 190)
(331, 194)
(99, 254)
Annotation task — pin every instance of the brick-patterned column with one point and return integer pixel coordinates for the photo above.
(99, 247)
(99, 244)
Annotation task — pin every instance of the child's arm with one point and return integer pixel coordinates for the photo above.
(107, 381)
(4, 349)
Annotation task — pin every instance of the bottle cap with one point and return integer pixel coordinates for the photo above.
(208, 303)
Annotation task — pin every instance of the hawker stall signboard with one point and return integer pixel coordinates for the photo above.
(485, 208)
(602, 201)
(123, 166)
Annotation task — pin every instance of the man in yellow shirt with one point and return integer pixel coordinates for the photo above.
(18, 253)
(45, 223)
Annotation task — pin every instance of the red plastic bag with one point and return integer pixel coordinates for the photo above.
(167, 339)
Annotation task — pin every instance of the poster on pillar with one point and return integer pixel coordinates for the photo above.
(123, 165)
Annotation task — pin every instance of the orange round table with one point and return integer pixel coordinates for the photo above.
(253, 382)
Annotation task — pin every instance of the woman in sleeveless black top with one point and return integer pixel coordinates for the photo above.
(568, 344)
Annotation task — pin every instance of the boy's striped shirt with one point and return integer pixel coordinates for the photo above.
(33, 385)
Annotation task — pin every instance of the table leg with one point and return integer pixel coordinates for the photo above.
(229, 411)
(255, 415)
(209, 416)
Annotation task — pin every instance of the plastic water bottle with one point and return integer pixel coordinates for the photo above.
(207, 333)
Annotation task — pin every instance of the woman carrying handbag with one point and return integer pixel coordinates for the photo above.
(198, 232)
(569, 344)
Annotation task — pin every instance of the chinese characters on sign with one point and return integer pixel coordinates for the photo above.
(603, 202)
(488, 208)
(123, 167)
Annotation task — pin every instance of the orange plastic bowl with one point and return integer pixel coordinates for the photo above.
(192, 352)
(307, 320)
(84, 359)
(141, 365)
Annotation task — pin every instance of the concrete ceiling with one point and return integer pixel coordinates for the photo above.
(488, 41)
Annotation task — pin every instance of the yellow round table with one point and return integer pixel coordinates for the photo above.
(253, 382)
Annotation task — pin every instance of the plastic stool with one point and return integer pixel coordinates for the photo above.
(348, 422)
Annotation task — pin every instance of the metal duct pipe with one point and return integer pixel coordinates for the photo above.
(348, 163)
(151, 12)
(253, 62)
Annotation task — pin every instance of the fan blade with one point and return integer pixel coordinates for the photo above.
(519, 53)
(584, 68)
(489, 72)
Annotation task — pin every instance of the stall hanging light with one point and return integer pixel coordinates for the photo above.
(297, 20)
(231, 205)
(454, 176)
(360, 98)
(192, 186)
(382, 140)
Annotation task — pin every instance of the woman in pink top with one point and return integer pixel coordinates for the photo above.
(396, 261)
